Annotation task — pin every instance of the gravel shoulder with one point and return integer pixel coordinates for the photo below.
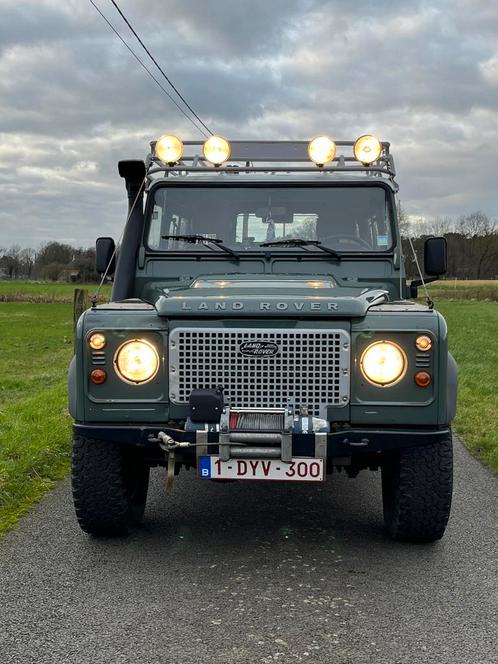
(255, 573)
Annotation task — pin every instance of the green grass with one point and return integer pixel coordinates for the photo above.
(45, 291)
(472, 335)
(464, 289)
(35, 431)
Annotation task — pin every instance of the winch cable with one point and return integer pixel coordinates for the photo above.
(166, 77)
(147, 70)
(94, 298)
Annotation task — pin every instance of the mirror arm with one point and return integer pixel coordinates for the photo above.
(416, 283)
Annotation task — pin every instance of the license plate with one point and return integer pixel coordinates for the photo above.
(297, 470)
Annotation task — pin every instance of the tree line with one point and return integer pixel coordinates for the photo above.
(472, 251)
(472, 244)
(53, 261)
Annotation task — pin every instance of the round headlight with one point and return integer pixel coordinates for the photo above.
(367, 149)
(321, 150)
(169, 149)
(383, 363)
(216, 150)
(136, 361)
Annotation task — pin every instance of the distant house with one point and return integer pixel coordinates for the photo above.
(71, 273)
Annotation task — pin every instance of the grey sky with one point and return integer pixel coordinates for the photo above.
(73, 101)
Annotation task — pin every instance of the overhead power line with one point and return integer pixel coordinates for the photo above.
(144, 66)
(167, 78)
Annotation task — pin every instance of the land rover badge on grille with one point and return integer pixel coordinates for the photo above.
(258, 348)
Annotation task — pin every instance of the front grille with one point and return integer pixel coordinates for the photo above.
(310, 368)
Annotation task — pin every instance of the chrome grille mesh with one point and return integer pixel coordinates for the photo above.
(310, 368)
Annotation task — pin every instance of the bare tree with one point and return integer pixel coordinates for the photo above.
(439, 226)
(481, 241)
(404, 222)
(11, 261)
(27, 262)
(476, 224)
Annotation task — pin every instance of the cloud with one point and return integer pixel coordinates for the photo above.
(73, 101)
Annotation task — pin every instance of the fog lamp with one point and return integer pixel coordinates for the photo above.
(216, 150)
(383, 363)
(169, 149)
(136, 361)
(321, 150)
(367, 149)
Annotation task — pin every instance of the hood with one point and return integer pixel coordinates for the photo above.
(256, 295)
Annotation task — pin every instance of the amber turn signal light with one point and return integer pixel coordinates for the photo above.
(423, 343)
(423, 378)
(98, 376)
(97, 341)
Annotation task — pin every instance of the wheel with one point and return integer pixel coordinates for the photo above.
(110, 485)
(417, 484)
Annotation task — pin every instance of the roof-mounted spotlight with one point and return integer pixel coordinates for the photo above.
(367, 149)
(321, 150)
(216, 150)
(169, 149)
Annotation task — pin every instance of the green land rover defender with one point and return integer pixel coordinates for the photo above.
(261, 327)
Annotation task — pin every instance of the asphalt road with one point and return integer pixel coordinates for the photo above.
(255, 573)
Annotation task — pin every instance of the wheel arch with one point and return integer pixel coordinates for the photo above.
(451, 388)
(72, 388)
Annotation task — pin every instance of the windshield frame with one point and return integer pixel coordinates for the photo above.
(264, 251)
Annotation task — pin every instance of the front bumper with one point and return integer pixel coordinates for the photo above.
(341, 443)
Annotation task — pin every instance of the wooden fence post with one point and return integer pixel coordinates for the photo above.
(80, 304)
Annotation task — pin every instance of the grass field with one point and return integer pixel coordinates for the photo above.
(473, 336)
(35, 432)
(36, 347)
(44, 291)
(464, 290)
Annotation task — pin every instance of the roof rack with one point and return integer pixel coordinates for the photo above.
(272, 157)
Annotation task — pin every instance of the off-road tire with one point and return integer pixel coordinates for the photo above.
(110, 484)
(417, 485)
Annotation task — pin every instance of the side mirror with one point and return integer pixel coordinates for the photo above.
(435, 256)
(105, 256)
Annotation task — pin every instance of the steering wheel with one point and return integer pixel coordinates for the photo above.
(351, 238)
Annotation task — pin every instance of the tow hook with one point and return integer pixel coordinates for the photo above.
(169, 446)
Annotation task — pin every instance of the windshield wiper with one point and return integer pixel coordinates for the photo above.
(200, 239)
(299, 242)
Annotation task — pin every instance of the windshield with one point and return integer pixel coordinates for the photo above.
(347, 219)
